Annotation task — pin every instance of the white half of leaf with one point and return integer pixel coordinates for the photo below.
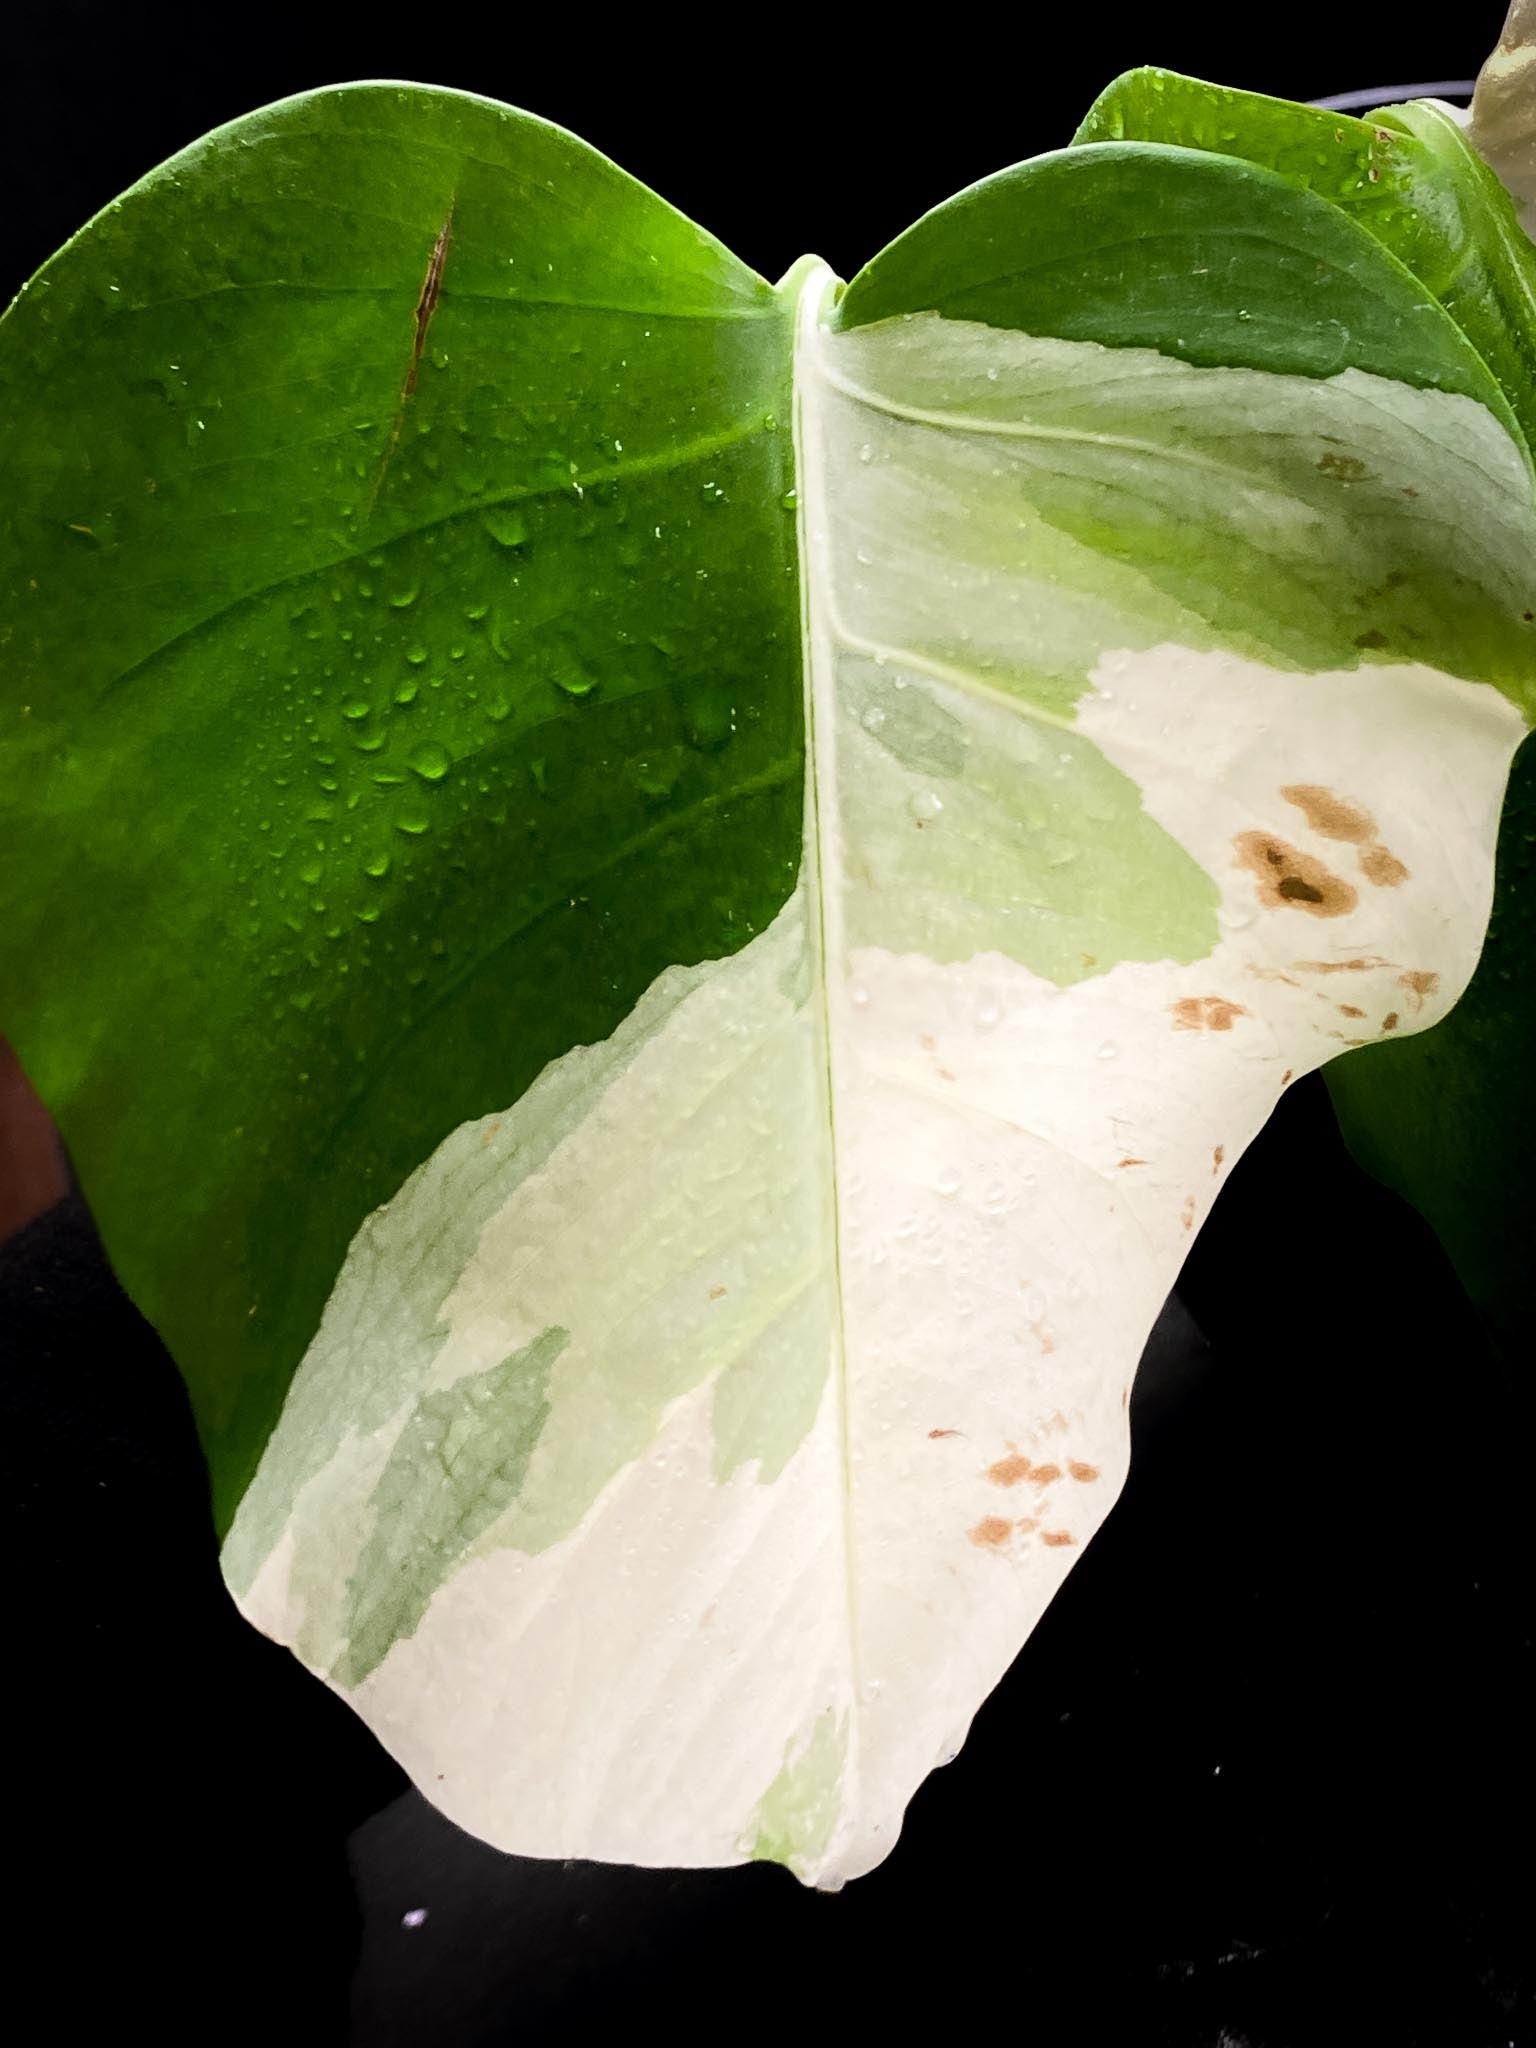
(837, 1260)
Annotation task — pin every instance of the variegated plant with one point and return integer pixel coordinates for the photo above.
(655, 905)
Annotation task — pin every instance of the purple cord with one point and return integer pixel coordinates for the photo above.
(1380, 95)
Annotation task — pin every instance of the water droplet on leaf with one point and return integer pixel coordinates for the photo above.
(506, 524)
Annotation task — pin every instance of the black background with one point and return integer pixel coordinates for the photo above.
(1262, 1777)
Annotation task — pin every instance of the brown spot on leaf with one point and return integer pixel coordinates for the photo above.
(1218, 1154)
(935, 1433)
(1345, 469)
(1084, 1474)
(991, 1532)
(1289, 879)
(1187, 1214)
(1056, 1538)
(1027, 1522)
(715, 1293)
(1330, 816)
(1008, 1471)
(1130, 1162)
(1390, 1021)
(1338, 966)
(1419, 983)
(1382, 868)
(1044, 1475)
(1285, 1078)
(426, 306)
(1349, 1010)
(1205, 1013)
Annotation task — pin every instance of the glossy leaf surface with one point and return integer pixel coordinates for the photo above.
(654, 906)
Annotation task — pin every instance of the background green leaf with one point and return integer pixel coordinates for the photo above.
(1446, 1118)
(1151, 245)
(1407, 176)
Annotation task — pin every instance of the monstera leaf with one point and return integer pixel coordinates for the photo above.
(654, 906)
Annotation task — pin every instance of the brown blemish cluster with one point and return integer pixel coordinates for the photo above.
(1010, 1470)
(993, 1531)
(1218, 1154)
(1334, 817)
(1289, 879)
(1418, 983)
(1205, 1013)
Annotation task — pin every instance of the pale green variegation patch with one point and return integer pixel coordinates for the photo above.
(798, 1812)
(458, 1463)
(1157, 720)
